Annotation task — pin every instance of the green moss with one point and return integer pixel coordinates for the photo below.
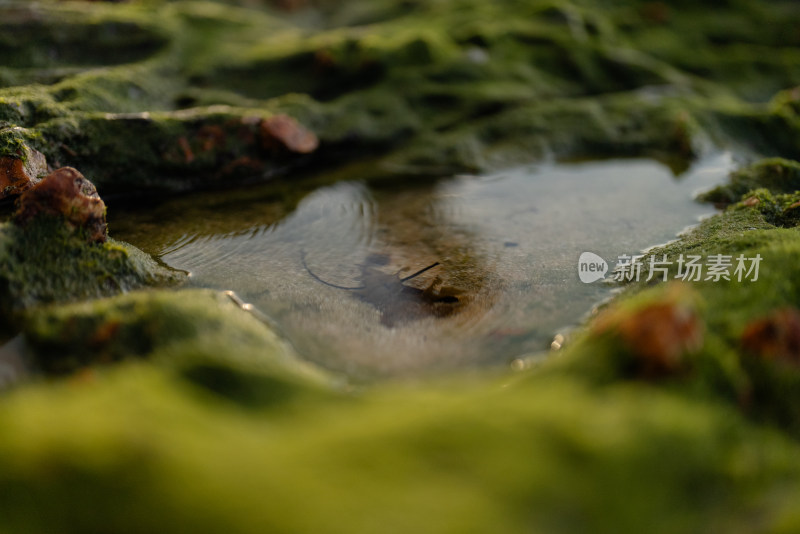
(163, 151)
(554, 456)
(83, 271)
(201, 335)
(27, 105)
(762, 226)
(786, 103)
(759, 129)
(49, 43)
(16, 142)
(776, 174)
(448, 94)
(622, 126)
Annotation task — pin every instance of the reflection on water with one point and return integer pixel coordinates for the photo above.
(377, 279)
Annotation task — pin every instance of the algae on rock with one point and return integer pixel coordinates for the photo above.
(45, 263)
(201, 335)
(739, 359)
(459, 85)
(55, 249)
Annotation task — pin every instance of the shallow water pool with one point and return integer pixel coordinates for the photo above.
(373, 278)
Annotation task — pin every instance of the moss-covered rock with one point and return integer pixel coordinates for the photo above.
(429, 83)
(175, 151)
(82, 271)
(202, 335)
(55, 249)
(740, 315)
(775, 174)
(65, 194)
(28, 256)
(18, 174)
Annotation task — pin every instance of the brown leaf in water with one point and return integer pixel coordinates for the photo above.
(775, 337)
(397, 303)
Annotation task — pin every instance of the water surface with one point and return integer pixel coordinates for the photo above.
(328, 264)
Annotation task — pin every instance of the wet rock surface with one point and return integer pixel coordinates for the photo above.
(55, 248)
(282, 131)
(659, 337)
(18, 174)
(65, 194)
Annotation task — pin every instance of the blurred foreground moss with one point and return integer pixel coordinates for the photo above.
(137, 449)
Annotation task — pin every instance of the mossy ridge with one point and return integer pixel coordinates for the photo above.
(554, 455)
(16, 142)
(427, 75)
(202, 335)
(163, 151)
(63, 89)
(763, 224)
(778, 175)
(427, 70)
(564, 129)
(76, 38)
(729, 48)
(84, 270)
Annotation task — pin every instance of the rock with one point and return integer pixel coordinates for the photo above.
(660, 335)
(775, 337)
(790, 216)
(778, 175)
(47, 263)
(65, 193)
(200, 333)
(657, 336)
(282, 131)
(18, 175)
